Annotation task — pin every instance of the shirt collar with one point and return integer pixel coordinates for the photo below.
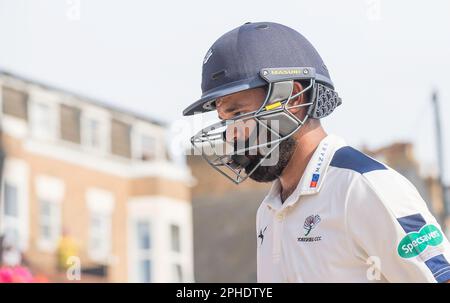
(313, 176)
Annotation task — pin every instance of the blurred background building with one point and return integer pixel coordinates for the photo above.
(85, 179)
(400, 156)
(224, 225)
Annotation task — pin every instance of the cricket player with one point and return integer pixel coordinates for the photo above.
(333, 214)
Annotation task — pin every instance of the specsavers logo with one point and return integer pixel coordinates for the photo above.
(414, 243)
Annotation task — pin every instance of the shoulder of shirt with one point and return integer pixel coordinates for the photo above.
(373, 176)
(372, 172)
(347, 157)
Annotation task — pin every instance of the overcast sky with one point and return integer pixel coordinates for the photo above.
(385, 57)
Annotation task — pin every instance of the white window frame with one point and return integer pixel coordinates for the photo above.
(176, 257)
(100, 203)
(143, 254)
(180, 248)
(154, 153)
(90, 135)
(141, 129)
(11, 222)
(53, 221)
(103, 119)
(16, 172)
(99, 245)
(176, 274)
(139, 211)
(50, 190)
(53, 120)
(162, 212)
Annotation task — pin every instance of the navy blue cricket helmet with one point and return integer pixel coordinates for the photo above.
(234, 61)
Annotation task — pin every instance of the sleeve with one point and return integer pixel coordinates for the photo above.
(387, 218)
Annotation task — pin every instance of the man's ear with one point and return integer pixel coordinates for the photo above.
(298, 100)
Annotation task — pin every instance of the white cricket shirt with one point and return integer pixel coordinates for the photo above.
(350, 219)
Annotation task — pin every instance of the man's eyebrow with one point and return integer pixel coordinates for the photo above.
(238, 105)
(231, 109)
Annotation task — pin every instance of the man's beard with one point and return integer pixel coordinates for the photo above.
(267, 173)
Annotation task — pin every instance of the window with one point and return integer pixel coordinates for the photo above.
(175, 237)
(11, 212)
(50, 196)
(15, 103)
(70, 123)
(143, 232)
(100, 236)
(120, 138)
(161, 242)
(42, 121)
(49, 222)
(11, 205)
(148, 148)
(176, 247)
(143, 246)
(92, 133)
(95, 130)
(101, 206)
(145, 269)
(178, 273)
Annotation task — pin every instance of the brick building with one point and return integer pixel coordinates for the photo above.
(99, 174)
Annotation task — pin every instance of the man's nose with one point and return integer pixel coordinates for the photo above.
(237, 132)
